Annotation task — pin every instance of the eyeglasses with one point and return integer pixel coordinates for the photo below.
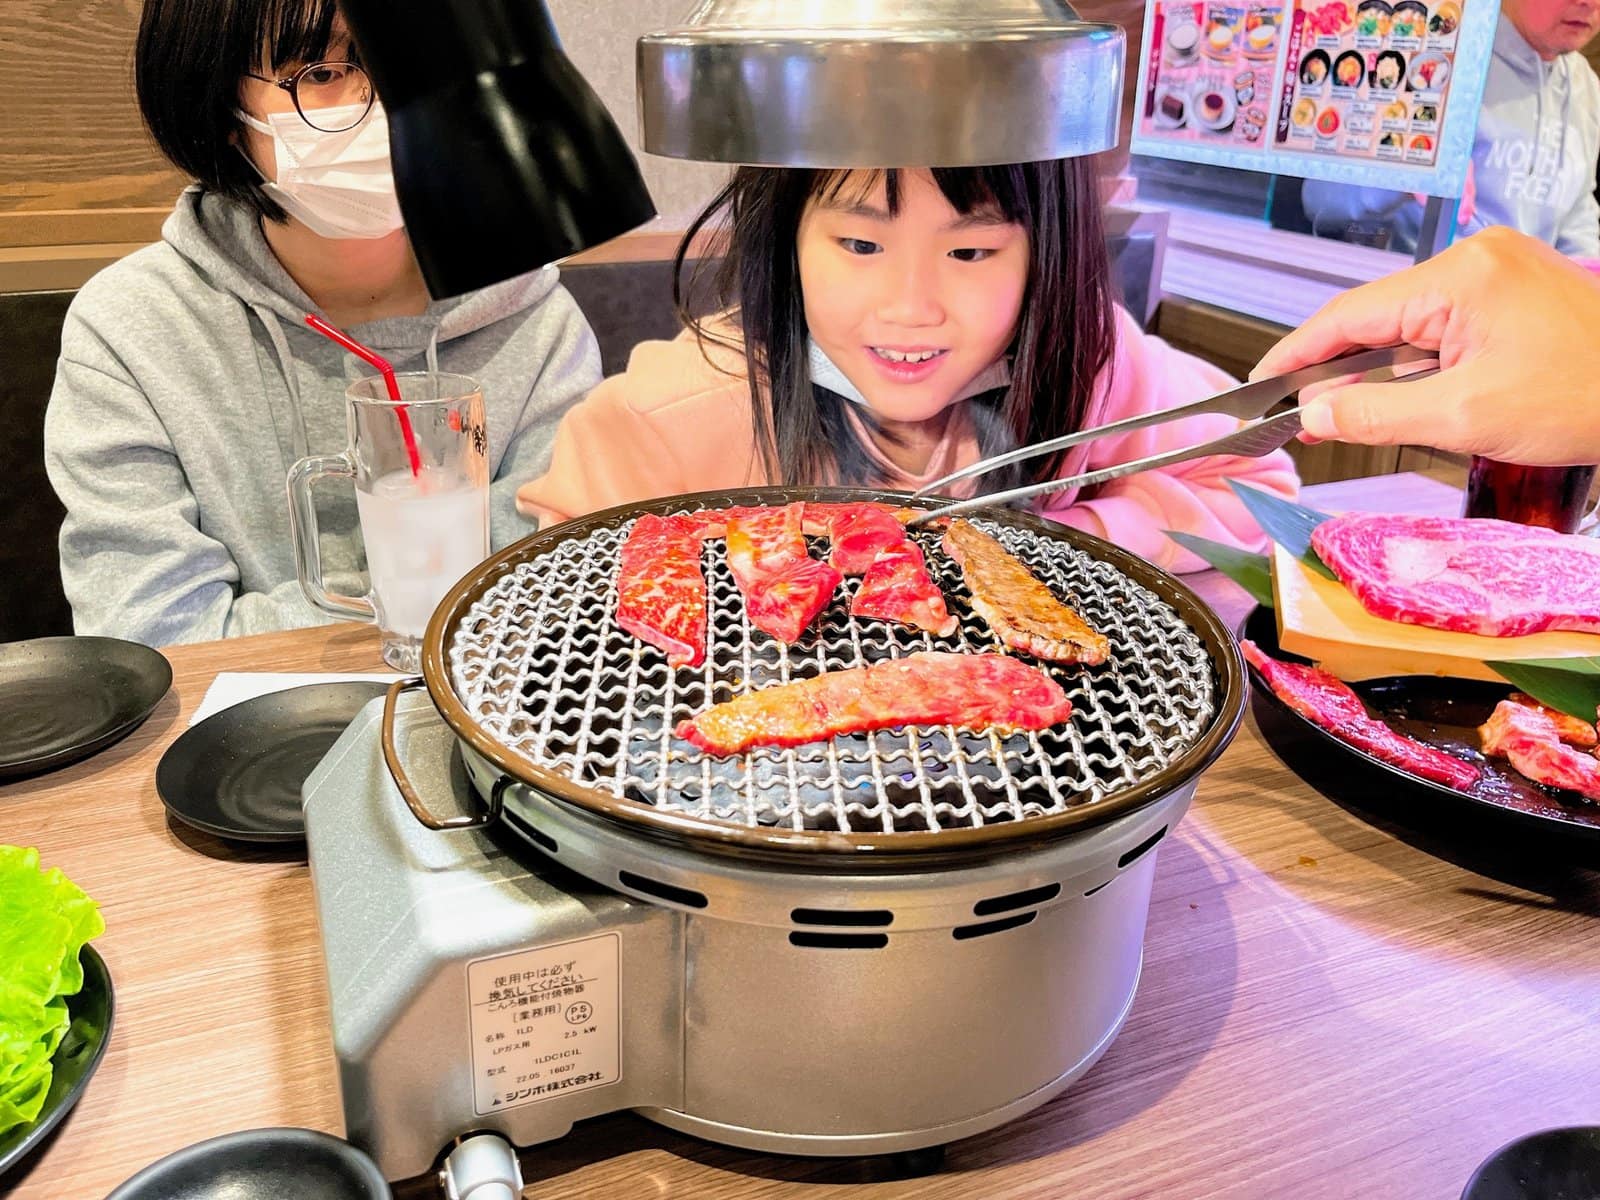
(323, 86)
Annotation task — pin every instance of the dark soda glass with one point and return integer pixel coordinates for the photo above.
(1555, 497)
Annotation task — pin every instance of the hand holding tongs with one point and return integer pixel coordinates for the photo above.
(1248, 403)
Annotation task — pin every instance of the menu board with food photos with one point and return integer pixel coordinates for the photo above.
(1370, 92)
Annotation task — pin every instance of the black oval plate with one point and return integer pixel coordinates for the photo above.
(75, 1059)
(261, 1164)
(1554, 1164)
(63, 698)
(1444, 713)
(237, 774)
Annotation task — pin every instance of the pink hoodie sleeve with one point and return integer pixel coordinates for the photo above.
(1192, 497)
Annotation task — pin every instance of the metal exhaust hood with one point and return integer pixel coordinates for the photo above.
(880, 83)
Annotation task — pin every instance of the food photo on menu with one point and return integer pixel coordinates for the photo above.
(1387, 71)
(1363, 80)
(1212, 70)
(1367, 80)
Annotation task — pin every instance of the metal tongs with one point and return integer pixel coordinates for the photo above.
(1250, 402)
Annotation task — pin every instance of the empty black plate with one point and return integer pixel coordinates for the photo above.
(75, 1059)
(63, 698)
(261, 1164)
(1555, 1164)
(1444, 713)
(237, 774)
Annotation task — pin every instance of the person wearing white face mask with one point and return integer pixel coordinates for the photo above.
(334, 177)
(188, 381)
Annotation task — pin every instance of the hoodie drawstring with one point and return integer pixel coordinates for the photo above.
(1538, 118)
(1566, 111)
(280, 345)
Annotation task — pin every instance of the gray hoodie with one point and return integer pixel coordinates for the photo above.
(188, 385)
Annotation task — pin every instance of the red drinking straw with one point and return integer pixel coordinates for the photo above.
(389, 382)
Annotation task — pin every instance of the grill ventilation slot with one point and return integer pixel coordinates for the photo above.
(662, 891)
(838, 941)
(964, 932)
(1142, 848)
(542, 839)
(842, 916)
(1025, 899)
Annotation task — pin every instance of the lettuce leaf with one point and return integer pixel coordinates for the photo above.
(45, 919)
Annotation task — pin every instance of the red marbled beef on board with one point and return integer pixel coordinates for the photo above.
(1467, 575)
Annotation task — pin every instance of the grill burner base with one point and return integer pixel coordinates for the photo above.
(905, 1144)
(799, 1009)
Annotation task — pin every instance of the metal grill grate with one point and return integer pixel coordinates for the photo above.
(540, 664)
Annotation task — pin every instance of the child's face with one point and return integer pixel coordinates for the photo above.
(912, 307)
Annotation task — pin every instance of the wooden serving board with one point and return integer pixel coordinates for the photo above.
(1320, 619)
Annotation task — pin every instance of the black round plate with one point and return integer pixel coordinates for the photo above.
(75, 1059)
(1444, 713)
(261, 1164)
(63, 698)
(1555, 1164)
(237, 774)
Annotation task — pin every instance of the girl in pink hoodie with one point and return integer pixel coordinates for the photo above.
(898, 325)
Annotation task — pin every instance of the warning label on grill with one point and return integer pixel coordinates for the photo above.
(545, 1022)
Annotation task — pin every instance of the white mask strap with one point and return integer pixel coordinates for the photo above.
(258, 125)
(828, 375)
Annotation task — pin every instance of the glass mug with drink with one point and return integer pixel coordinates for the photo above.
(423, 506)
(1554, 497)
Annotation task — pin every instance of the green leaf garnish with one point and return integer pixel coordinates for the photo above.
(1571, 685)
(1252, 572)
(1285, 522)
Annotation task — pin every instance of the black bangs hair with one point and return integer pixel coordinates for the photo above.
(1064, 337)
(189, 62)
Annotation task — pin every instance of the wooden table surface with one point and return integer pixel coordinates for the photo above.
(1339, 999)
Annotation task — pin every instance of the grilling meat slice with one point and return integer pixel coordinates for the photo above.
(785, 600)
(661, 590)
(1530, 737)
(817, 520)
(897, 587)
(713, 522)
(859, 533)
(784, 588)
(1329, 703)
(970, 691)
(1023, 611)
(762, 539)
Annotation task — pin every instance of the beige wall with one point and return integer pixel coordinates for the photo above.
(599, 37)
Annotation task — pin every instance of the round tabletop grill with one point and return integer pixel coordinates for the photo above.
(525, 661)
